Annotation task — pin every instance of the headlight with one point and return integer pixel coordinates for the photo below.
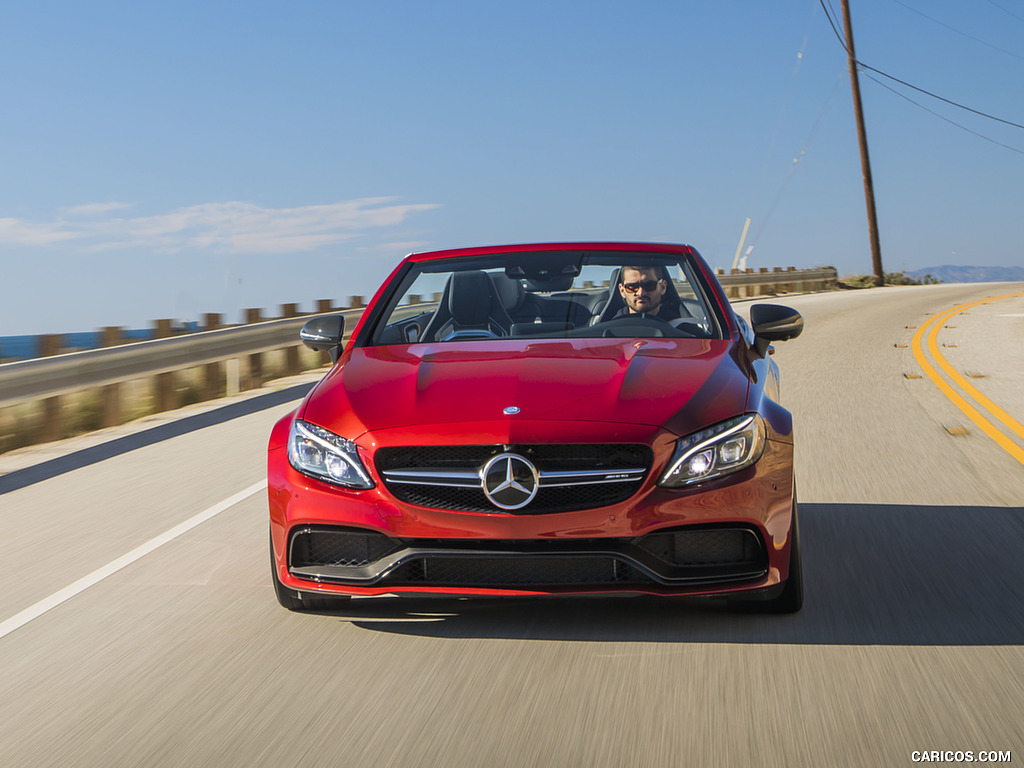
(719, 450)
(315, 451)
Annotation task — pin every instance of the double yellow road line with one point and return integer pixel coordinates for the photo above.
(931, 330)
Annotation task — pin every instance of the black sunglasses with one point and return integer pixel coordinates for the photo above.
(647, 285)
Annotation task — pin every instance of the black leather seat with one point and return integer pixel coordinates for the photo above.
(521, 305)
(470, 308)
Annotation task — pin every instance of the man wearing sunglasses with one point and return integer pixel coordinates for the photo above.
(643, 289)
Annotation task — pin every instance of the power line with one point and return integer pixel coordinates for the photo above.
(842, 42)
(829, 13)
(1006, 10)
(940, 98)
(795, 164)
(942, 117)
(958, 31)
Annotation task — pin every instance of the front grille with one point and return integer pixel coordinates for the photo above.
(555, 457)
(704, 554)
(572, 477)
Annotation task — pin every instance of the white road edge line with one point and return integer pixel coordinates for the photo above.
(35, 611)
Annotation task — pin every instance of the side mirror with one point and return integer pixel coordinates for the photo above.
(772, 322)
(324, 334)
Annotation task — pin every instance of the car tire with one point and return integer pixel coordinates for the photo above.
(301, 602)
(791, 598)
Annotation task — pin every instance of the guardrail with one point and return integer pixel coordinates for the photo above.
(748, 283)
(47, 379)
(223, 352)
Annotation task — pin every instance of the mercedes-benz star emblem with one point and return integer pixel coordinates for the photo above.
(509, 481)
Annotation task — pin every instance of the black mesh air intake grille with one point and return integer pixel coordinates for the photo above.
(333, 547)
(523, 571)
(725, 546)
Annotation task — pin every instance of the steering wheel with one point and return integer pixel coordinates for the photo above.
(629, 327)
(690, 326)
(647, 327)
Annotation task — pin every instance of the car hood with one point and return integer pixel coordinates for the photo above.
(680, 384)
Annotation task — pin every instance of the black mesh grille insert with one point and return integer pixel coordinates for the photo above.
(523, 571)
(317, 547)
(546, 458)
(703, 547)
(547, 501)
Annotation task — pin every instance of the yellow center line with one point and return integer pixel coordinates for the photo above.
(932, 327)
(969, 388)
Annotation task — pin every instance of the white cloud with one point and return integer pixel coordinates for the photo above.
(94, 209)
(231, 227)
(27, 233)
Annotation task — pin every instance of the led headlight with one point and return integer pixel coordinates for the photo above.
(315, 451)
(718, 450)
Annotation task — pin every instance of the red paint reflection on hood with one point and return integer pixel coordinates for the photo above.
(682, 384)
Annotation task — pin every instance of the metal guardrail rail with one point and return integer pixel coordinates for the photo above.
(44, 377)
(47, 377)
(779, 277)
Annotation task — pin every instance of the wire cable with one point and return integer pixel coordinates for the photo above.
(1006, 10)
(863, 66)
(942, 117)
(959, 32)
(940, 98)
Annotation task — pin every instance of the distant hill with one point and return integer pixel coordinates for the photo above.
(951, 274)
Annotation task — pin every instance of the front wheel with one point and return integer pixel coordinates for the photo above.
(791, 599)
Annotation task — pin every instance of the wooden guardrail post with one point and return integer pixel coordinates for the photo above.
(163, 384)
(111, 413)
(50, 344)
(214, 376)
(291, 354)
(255, 315)
(733, 291)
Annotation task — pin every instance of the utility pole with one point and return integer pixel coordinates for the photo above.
(865, 161)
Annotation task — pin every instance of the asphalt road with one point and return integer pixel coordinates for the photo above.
(911, 637)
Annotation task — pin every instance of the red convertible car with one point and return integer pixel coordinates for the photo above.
(549, 419)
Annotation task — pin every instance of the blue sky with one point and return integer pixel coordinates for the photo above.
(174, 159)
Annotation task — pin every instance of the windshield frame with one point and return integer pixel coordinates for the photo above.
(533, 266)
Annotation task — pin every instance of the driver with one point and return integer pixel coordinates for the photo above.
(643, 289)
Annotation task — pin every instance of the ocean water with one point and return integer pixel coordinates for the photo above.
(27, 347)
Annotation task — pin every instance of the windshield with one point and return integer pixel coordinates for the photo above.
(550, 295)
